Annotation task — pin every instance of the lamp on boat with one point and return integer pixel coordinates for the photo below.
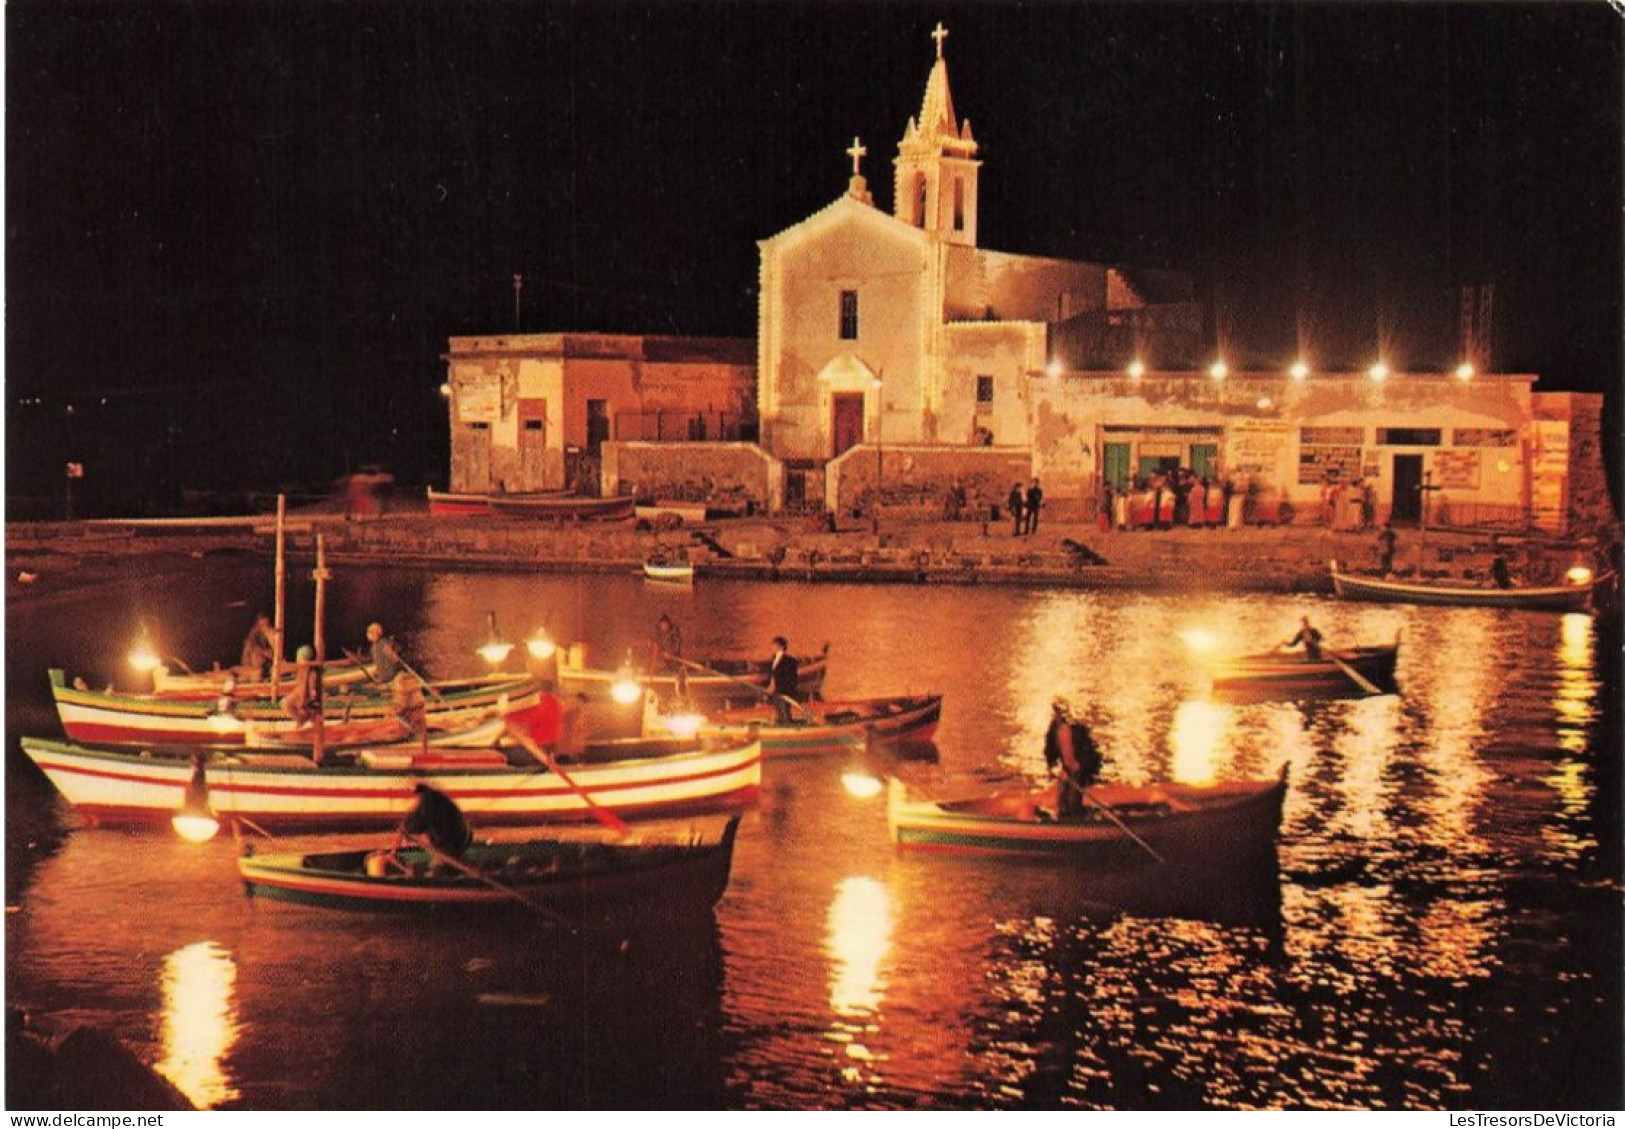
(1198, 639)
(144, 656)
(1578, 575)
(625, 689)
(495, 648)
(195, 821)
(684, 725)
(541, 645)
(861, 785)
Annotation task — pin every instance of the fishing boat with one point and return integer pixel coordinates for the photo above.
(1572, 596)
(816, 728)
(107, 717)
(374, 787)
(445, 503)
(669, 571)
(1119, 822)
(572, 879)
(1338, 673)
(561, 507)
(710, 682)
(210, 684)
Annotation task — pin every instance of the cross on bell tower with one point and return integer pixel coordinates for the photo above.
(936, 166)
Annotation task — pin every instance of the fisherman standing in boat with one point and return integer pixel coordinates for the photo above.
(382, 654)
(258, 648)
(1071, 753)
(304, 701)
(668, 644)
(1309, 635)
(436, 817)
(783, 680)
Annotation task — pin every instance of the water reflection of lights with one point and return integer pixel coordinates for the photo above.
(1366, 744)
(859, 938)
(199, 1022)
(1199, 733)
(1574, 701)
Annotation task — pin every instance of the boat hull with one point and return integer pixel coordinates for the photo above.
(101, 718)
(452, 504)
(1556, 598)
(1291, 675)
(565, 507)
(669, 573)
(579, 881)
(1237, 820)
(375, 788)
(710, 682)
(835, 728)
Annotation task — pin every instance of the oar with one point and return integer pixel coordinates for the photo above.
(761, 692)
(1106, 811)
(502, 888)
(608, 818)
(427, 685)
(1355, 676)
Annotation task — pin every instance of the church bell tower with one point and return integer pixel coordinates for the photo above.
(935, 166)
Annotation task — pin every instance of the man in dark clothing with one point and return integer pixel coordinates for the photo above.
(1071, 753)
(783, 679)
(1385, 551)
(1035, 499)
(1015, 503)
(386, 660)
(1309, 636)
(436, 817)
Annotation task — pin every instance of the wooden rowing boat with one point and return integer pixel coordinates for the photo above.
(817, 728)
(105, 717)
(1237, 820)
(574, 879)
(373, 787)
(669, 572)
(1354, 671)
(562, 507)
(710, 682)
(1573, 597)
(444, 503)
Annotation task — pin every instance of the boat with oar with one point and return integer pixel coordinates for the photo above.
(644, 876)
(816, 728)
(721, 680)
(373, 786)
(1574, 595)
(1336, 673)
(451, 503)
(1118, 823)
(108, 717)
(211, 684)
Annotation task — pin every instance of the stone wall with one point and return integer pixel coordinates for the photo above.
(1590, 505)
(736, 477)
(919, 481)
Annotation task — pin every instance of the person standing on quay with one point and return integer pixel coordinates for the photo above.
(1015, 510)
(1035, 499)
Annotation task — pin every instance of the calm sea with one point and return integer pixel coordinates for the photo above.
(1444, 930)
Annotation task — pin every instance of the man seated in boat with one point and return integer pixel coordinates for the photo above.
(258, 648)
(667, 645)
(1309, 636)
(1072, 756)
(381, 653)
(436, 818)
(408, 704)
(1500, 572)
(304, 701)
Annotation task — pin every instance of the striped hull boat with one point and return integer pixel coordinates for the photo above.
(1278, 674)
(577, 880)
(1553, 598)
(374, 788)
(108, 718)
(829, 728)
(1236, 820)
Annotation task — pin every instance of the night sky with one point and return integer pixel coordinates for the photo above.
(240, 234)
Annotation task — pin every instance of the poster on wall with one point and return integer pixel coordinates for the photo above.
(1456, 470)
(479, 399)
(1254, 449)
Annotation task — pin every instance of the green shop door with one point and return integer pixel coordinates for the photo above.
(1204, 459)
(1119, 464)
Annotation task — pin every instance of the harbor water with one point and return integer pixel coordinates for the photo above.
(1443, 929)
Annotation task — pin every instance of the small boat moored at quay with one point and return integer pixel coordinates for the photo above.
(1339, 673)
(816, 728)
(445, 503)
(107, 717)
(561, 507)
(374, 787)
(1573, 596)
(709, 682)
(1120, 823)
(669, 571)
(574, 880)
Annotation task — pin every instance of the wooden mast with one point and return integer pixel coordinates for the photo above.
(320, 576)
(281, 589)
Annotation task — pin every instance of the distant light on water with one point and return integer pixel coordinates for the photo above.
(859, 939)
(200, 1023)
(861, 785)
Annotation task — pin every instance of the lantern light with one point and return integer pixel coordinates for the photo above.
(1218, 370)
(1136, 368)
(541, 645)
(1299, 369)
(861, 785)
(626, 689)
(1378, 372)
(195, 821)
(1579, 575)
(1465, 371)
(495, 649)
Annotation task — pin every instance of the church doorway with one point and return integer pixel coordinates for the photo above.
(846, 421)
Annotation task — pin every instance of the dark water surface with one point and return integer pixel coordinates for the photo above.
(1444, 931)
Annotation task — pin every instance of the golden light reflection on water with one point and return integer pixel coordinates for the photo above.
(1365, 745)
(1574, 700)
(860, 924)
(1200, 731)
(1457, 716)
(200, 1022)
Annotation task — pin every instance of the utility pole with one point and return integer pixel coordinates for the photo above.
(518, 288)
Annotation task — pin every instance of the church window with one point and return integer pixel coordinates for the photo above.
(1408, 436)
(959, 204)
(919, 201)
(849, 315)
(984, 389)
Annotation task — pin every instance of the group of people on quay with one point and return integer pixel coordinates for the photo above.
(1024, 508)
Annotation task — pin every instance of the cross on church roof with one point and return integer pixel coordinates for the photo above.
(857, 153)
(939, 35)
